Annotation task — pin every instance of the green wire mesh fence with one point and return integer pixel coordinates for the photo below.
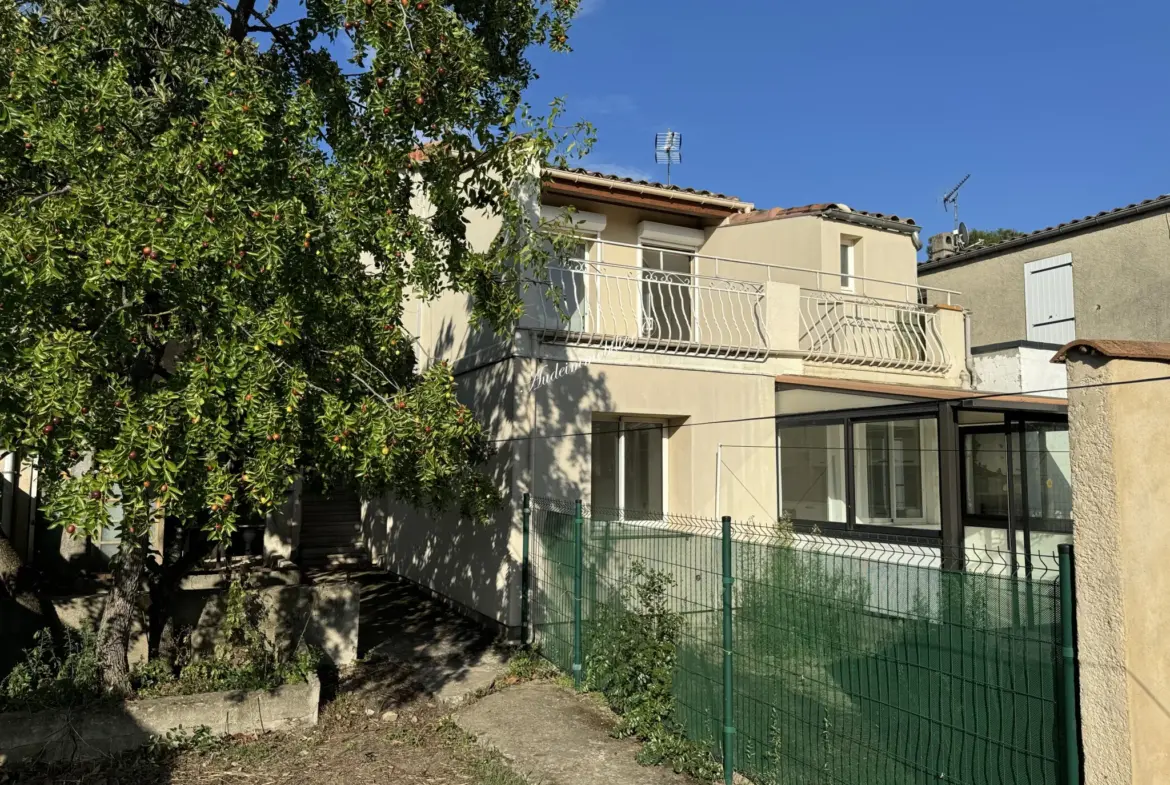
(855, 662)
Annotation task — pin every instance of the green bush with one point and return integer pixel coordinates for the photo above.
(797, 603)
(69, 674)
(54, 676)
(632, 657)
(244, 660)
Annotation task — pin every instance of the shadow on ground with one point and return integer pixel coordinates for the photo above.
(412, 646)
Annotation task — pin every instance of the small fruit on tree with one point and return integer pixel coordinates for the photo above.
(210, 130)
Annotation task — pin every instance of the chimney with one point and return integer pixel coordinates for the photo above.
(941, 246)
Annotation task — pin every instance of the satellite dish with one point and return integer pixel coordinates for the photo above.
(964, 236)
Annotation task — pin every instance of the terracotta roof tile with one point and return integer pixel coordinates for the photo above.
(819, 209)
(1116, 349)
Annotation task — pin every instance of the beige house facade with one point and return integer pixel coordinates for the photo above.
(648, 370)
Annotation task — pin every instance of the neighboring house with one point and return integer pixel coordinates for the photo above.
(707, 358)
(1101, 276)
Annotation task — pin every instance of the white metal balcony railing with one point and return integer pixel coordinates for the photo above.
(638, 309)
(857, 330)
(632, 308)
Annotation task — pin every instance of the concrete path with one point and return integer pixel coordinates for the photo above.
(554, 737)
(413, 646)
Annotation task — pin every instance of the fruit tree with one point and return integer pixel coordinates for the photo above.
(208, 227)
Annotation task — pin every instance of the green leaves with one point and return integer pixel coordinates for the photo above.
(206, 242)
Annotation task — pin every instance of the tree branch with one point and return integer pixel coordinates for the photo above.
(240, 15)
(59, 192)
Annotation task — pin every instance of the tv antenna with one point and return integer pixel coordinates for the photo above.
(952, 198)
(668, 150)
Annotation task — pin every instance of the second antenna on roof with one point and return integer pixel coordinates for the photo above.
(952, 200)
(668, 150)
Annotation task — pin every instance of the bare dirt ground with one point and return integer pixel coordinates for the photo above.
(418, 746)
(389, 723)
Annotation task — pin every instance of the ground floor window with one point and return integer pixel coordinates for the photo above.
(861, 473)
(628, 466)
(812, 472)
(897, 472)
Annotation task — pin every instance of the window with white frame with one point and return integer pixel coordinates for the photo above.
(848, 263)
(570, 271)
(668, 301)
(666, 293)
(628, 466)
(569, 275)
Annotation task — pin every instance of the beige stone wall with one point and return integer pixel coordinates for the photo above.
(477, 563)
(1120, 285)
(1121, 495)
(686, 400)
(813, 244)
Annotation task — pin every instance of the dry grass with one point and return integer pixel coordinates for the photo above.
(422, 746)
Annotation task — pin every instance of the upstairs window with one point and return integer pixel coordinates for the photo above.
(848, 249)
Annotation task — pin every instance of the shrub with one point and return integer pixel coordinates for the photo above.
(632, 659)
(54, 676)
(68, 674)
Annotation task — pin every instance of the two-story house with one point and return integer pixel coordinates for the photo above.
(698, 356)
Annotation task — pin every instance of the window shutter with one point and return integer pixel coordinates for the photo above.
(1048, 296)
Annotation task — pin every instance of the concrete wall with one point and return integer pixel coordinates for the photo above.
(1120, 283)
(64, 735)
(569, 404)
(324, 616)
(477, 563)
(1121, 498)
(814, 244)
(1019, 369)
(471, 562)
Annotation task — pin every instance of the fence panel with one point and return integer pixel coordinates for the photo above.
(855, 663)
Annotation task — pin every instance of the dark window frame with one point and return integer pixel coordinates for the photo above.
(849, 529)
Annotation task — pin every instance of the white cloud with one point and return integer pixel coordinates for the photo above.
(588, 7)
(618, 170)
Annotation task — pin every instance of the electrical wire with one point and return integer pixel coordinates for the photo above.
(773, 417)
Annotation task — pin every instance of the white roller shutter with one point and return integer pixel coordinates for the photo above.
(1048, 297)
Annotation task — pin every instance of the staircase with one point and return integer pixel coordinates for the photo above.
(331, 531)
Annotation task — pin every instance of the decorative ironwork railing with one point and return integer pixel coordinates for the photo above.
(858, 330)
(639, 309)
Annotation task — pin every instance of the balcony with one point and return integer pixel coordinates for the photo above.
(766, 311)
(867, 331)
(636, 309)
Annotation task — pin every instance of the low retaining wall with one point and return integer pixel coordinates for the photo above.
(323, 615)
(67, 734)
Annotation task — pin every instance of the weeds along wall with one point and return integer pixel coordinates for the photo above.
(852, 662)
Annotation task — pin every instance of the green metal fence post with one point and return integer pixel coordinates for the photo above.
(578, 567)
(524, 571)
(728, 717)
(1072, 758)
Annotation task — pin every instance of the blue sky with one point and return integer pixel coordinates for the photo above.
(1057, 109)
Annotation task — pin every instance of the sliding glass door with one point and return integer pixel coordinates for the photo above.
(1016, 492)
(897, 473)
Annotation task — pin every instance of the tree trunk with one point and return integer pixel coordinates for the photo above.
(113, 641)
(164, 587)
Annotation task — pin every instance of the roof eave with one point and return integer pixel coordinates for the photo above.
(640, 189)
(1154, 205)
(872, 221)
